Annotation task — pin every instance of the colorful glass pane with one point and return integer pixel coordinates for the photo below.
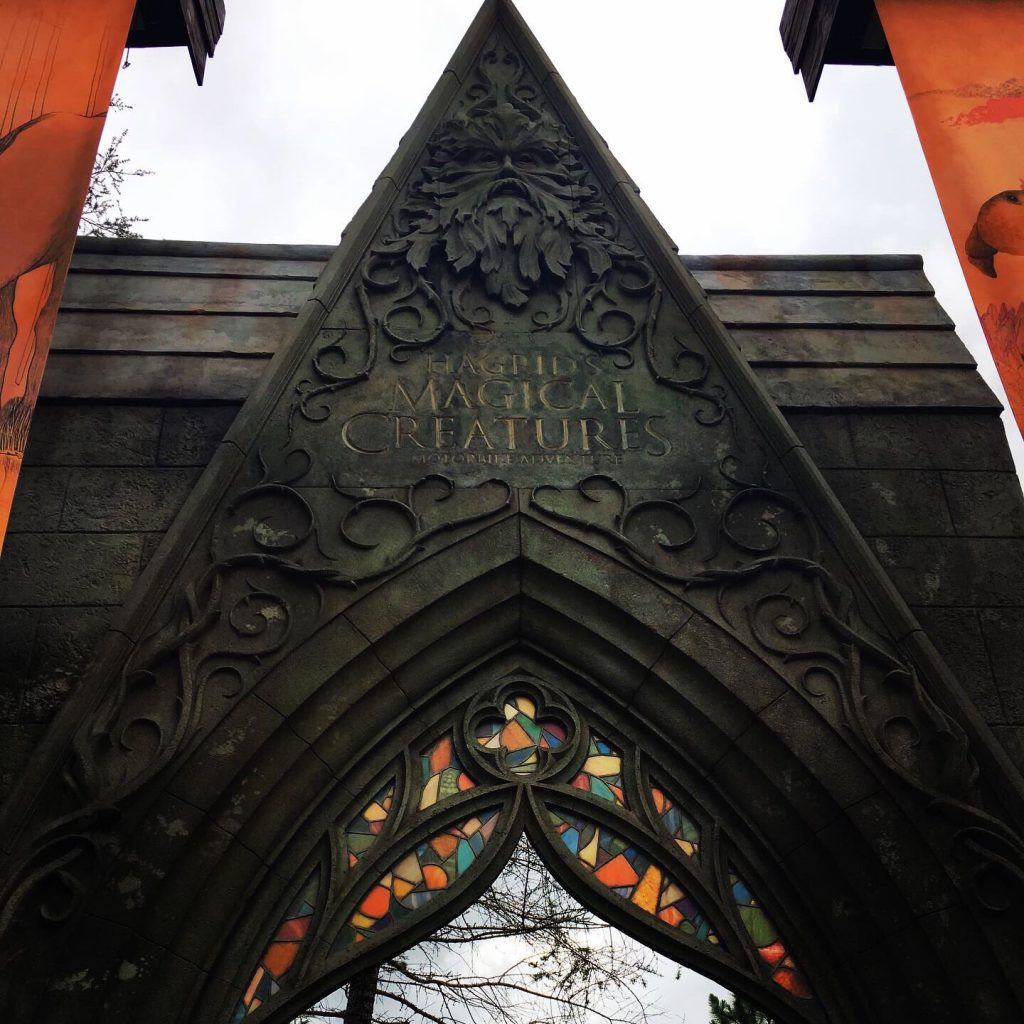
(601, 774)
(679, 825)
(520, 735)
(364, 828)
(442, 773)
(432, 867)
(770, 947)
(631, 875)
(279, 956)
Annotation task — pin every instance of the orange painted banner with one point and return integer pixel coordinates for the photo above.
(58, 63)
(961, 63)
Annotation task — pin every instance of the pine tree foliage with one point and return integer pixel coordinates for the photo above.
(103, 216)
(739, 1011)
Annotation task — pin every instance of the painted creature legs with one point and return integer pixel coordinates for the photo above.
(31, 292)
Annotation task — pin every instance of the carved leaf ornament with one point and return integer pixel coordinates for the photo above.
(523, 757)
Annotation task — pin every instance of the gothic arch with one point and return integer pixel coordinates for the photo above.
(804, 811)
(344, 577)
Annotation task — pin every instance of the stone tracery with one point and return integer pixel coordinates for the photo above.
(546, 768)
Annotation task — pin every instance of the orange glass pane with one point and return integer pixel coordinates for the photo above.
(376, 902)
(434, 877)
(279, 957)
(617, 872)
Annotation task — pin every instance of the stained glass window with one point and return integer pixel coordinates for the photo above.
(677, 822)
(770, 946)
(364, 828)
(601, 774)
(631, 874)
(513, 742)
(279, 956)
(419, 876)
(520, 734)
(443, 774)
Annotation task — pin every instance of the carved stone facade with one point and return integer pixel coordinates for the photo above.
(511, 487)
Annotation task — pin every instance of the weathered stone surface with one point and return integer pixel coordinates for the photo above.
(845, 346)
(18, 627)
(150, 542)
(958, 635)
(93, 435)
(91, 291)
(1003, 629)
(68, 568)
(45, 653)
(17, 742)
(125, 499)
(985, 504)
(858, 387)
(1012, 738)
(826, 436)
(65, 640)
(893, 502)
(190, 434)
(953, 571)
(929, 440)
(39, 499)
(225, 751)
(212, 333)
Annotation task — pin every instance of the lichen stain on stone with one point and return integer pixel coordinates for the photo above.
(227, 747)
(127, 971)
(233, 820)
(81, 981)
(153, 869)
(263, 533)
(130, 887)
(175, 827)
(272, 612)
(887, 494)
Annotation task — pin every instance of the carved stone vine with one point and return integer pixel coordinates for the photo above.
(761, 556)
(273, 554)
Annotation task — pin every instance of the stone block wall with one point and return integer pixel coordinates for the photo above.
(101, 484)
(938, 499)
(159, 341)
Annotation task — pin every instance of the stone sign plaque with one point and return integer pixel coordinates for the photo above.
(504, 323)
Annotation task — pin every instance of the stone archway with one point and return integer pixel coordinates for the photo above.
(511, 441)
(830, 845)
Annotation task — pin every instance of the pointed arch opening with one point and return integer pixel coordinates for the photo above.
(309, 807)
(522, 757)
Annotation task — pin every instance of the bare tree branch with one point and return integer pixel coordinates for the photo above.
(558, 963)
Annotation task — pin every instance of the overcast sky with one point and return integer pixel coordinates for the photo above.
(305, 102)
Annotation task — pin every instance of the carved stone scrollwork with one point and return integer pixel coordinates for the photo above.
(761, 558)
(273, 552)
